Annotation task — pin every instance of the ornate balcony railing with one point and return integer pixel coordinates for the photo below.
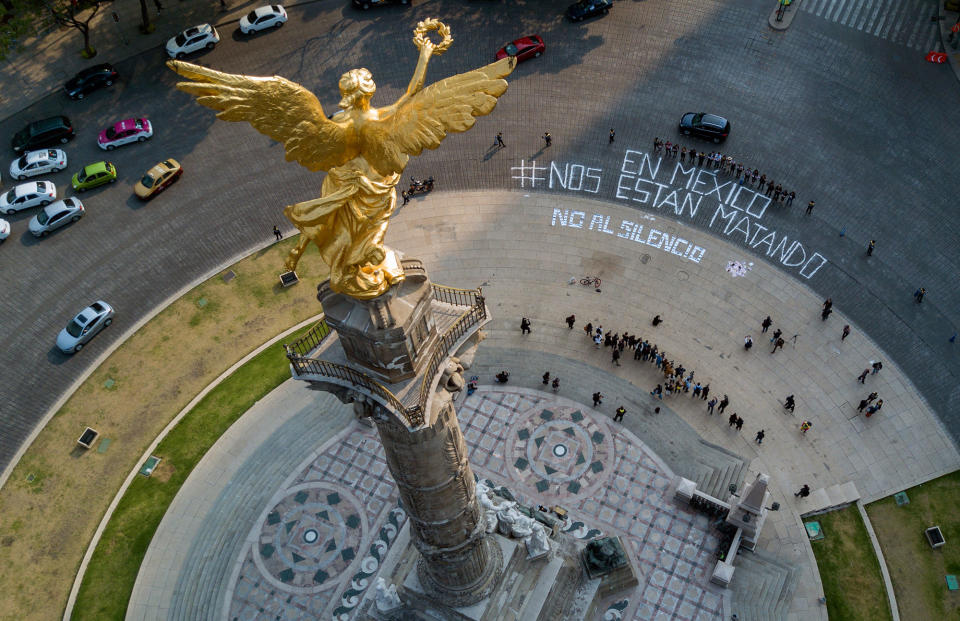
(298, 353)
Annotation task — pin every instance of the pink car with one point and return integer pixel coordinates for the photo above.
(125, 132)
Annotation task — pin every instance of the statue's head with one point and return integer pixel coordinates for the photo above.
(356, 85)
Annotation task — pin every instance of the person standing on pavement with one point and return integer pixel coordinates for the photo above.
(616, 357)
(760, 436)
(524, 326)
(789, 403)
(792, 195)
(723, 404)
(612, 135)
(804, 491)
(618, 417)
(710, 404)
(697, 389)
(500, 143)
(739, 423)
(873, 409)
(597, 399)
(770, 185)
(705, 392)
(556, 384)
(766, 323)
(845, 333)
(863, 403)
(870, 247)
(876, 366)
(863, 376)
(805, 426)
(747, 342)
(546, 378)
(683, 154)
(547, 138)
(810, 207)
(588, 329)
(919, 293)
(776, 334)
(572, 319)
(777, 345)
(732, 420)
(871, 397)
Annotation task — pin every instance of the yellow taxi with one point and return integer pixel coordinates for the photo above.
(158, 178)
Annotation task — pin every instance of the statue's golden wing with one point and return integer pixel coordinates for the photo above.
(277, 107)
(425, 119)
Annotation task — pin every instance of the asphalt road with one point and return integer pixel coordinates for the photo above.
(855, 121)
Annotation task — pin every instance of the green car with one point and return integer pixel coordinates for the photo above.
(94, 175)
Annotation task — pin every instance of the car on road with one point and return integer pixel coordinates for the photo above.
(90, 79)
(55, 215)
(125, 132)
(193, 40)
(94, 175)
(43, 133)
(158, 178)
(38, 163)
(709, 126)
(27, 195)
(523, 48)
(588, 8)
(262, 18)
(366, 4)
(85, 326)
(4, 230)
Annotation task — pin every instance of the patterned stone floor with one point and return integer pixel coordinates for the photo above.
(320, 541)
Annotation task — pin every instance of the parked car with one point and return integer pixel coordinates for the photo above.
(4, 230)
(366, 4)
(44, 133)
(27, 195)
(85, 326)
(523, 48)
(125, 132)
(55, 215)
(588, 8)
(193, 40)
(261, 18)
(94, 175)
(158, 178)
(90, 79)
(38, 163)
(709, 126)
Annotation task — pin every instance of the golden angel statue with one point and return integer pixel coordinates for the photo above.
(363, 149)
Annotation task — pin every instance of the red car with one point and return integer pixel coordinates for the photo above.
(523, 48)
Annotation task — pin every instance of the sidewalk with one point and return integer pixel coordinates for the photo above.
(45, 63)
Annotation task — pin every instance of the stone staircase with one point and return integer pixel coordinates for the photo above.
(830, 498)
(762, 587)
(718, 468)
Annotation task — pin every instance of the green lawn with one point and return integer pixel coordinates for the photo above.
(849, 568)
(918, 571)
(110, 577)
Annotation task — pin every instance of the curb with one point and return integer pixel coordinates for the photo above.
(75, 589)
(887, 583)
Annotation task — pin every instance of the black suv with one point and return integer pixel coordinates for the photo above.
(45, 133)
(588, 8)
(90, 79)
(366, 4)
(709, 126)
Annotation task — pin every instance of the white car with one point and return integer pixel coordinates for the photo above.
(55, 215)
(4, 230)
(193, 40)
(35, 163)
(261, 18)
(27, 195)
(85, 326)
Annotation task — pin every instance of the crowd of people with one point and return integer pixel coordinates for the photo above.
(729, 166)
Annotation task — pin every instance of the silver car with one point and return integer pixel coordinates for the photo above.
(55, 215)
(84, 327)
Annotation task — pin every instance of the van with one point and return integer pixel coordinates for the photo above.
(45, 133)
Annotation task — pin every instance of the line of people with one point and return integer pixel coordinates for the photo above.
(729, 166)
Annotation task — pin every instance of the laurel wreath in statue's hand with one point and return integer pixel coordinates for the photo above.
(423, 42)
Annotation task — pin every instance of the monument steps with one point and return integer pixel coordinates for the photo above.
(762, 587)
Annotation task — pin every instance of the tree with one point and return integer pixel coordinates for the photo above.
(73, 14)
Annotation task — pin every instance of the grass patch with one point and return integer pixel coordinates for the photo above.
(916, 569)
(109, 580)
(849, 568)
(155, 373)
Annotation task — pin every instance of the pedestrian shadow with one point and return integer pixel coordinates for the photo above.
(534, 156)
(493, 150)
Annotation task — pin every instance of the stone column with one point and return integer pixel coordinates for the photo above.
(458, 563)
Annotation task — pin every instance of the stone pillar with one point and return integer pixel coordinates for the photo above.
(437, 490)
